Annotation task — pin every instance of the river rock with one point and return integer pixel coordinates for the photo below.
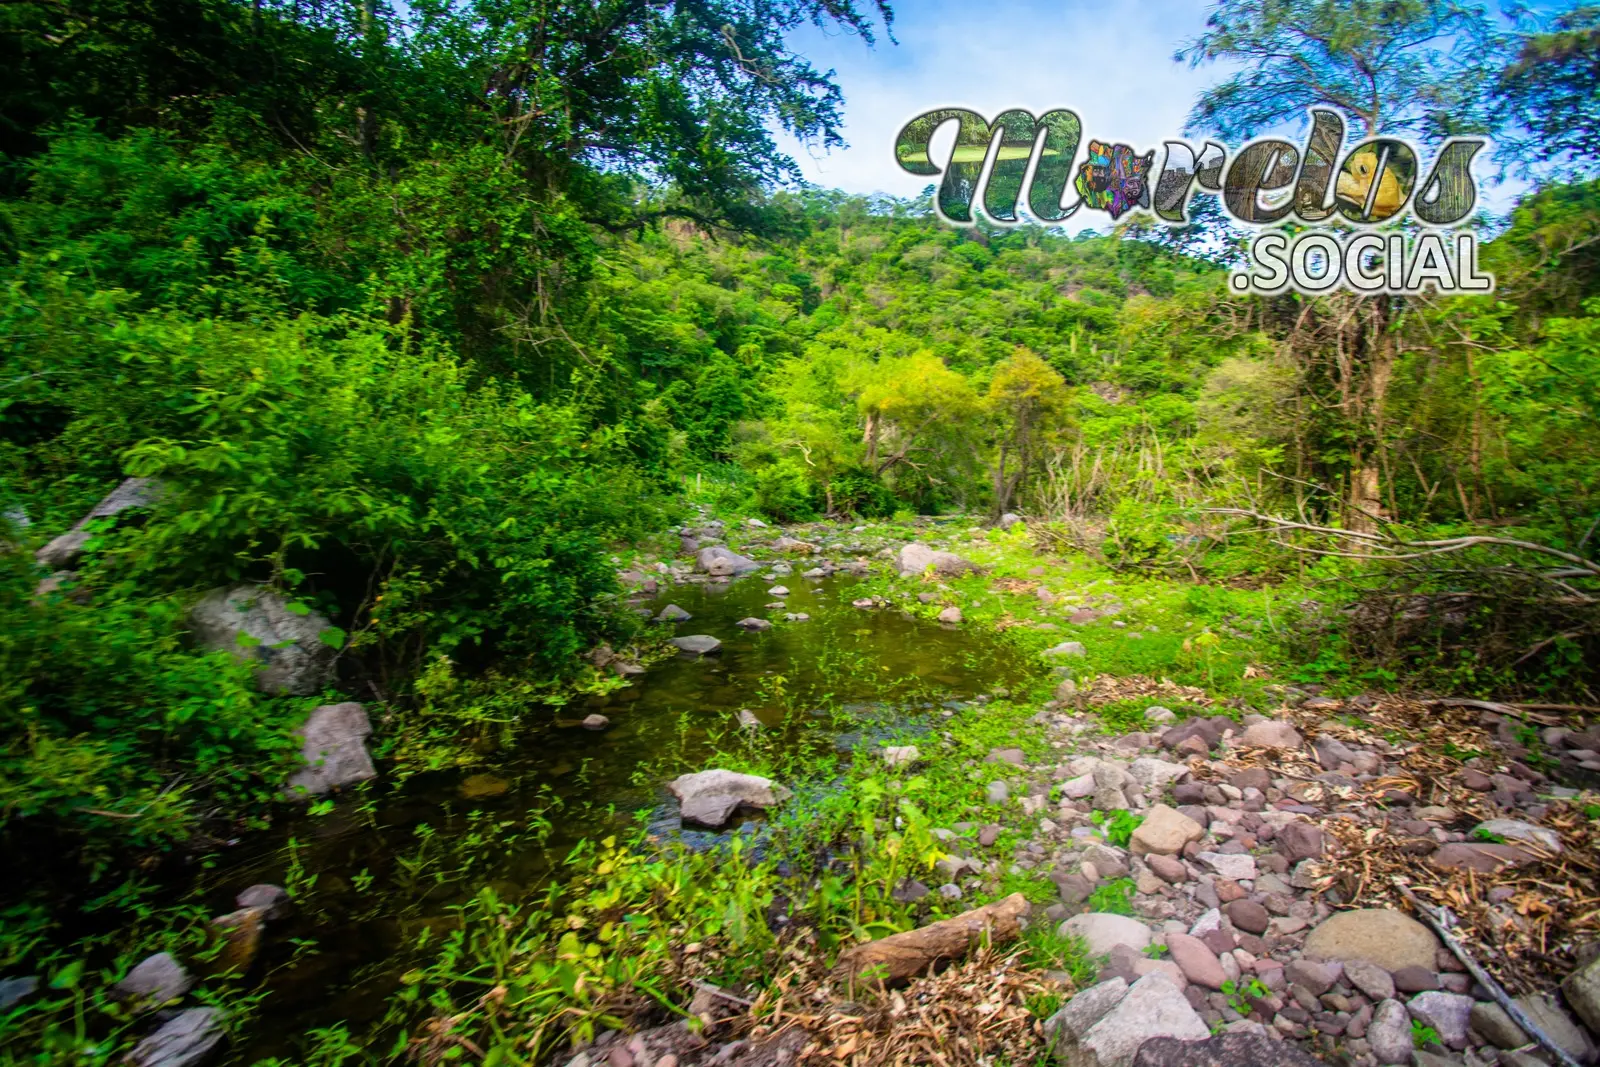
(719, 561)
(1009, 519)
(595, 721)
(1168, 868)
(1153, 1007)
(64, 551)
(753, 624)
(1164, 832)
(1494, 1023)
(708, 798)
(1103, 931)
(1198, 963)
(271, 900)
(697, 644)
(900, 755)
(673, 613)
(1077, 1015)
(790, 544)
(1371, 979)
(333, 746)
(255, 625)
(1156, 774)
(916, 558)
(1582, 990)
(182, 1041)
(1068, 648)
(1242, 1049)
(1234, 867)
(1389, 1033)
(14, 990)
(1272, 734)
(240, 932)
(1480, 857)
(1517, 830)
(1388, 938)
(951, 614)
(156, 980)
(1447, 1013)
(1299, 840)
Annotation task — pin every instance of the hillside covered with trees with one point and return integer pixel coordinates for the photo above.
(424, 316)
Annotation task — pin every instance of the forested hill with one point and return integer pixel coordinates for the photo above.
(430, 326)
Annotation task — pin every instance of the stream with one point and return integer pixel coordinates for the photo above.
(375, 872)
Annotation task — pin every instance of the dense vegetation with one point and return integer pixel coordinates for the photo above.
(419, 312)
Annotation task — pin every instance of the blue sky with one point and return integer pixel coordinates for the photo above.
(1110, 62)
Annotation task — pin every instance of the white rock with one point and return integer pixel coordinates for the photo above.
(333, 745)
(1234, 867)
(900, 755)
(1103, 931)
(1389, 1033)
(1156, 774)
(1154, 1007)
(254, 624)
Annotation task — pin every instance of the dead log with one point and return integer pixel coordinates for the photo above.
(899, 957)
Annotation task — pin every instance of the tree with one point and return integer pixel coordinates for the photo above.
(902, 399)
(1403, 65)
(1412, 66)
(1027, 401)
(1551, 93)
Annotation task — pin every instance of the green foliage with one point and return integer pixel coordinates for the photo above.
(1118, 827)
(1423, 1035)
(1114, 896)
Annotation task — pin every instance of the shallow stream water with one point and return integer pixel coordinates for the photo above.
(376, 872)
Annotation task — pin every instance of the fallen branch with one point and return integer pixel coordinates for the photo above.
(1442, 920)
(901, 957)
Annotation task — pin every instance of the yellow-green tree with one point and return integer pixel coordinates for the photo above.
(1027, 405)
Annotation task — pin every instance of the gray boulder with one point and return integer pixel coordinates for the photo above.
(255, 625)
(334, 749)
(709, 798)
(271, 900)
(1010, 519)
(1389, 1033)
(155, 980)
(1075, 1017)
(1582, 990)
(62, 552)
(184, 1040)
(1496, 1024)
(697, 644)
(1154, 1007)
(673, 613)
(719, 561)
(13, 990)
(1447, 1013)
(916, 558)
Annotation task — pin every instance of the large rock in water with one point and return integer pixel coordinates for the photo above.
(155, 981)
(697, 644)
(709, 798)
(1391, 939)
(294, 659)
(334, 748)
(182, 1041)
(1154, 1007)
(1224, 1050)
(720, 561)
(916, 558)
(133, 493)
